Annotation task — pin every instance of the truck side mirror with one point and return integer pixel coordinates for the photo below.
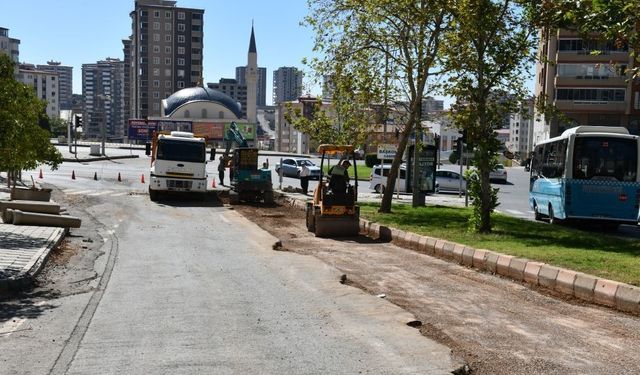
(147, 148)
(213, 154)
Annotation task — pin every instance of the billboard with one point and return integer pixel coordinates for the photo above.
(248, 131)
(142, 130)
(212, 130)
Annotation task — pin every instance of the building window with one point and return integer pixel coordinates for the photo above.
(143, 13)
(167, 84)
(196, 16)
(156, 14)
(180, 15)
(591, 95)
(221, 114)
(167, 61)
(167, 38)
(156, 83)
(167, 49)
(187, 114)
(167, 14)
(180, 61)
(167, 26)
(180, 84)
(204, 113)
(156, 37)
(156, 106)
(180, 50)
(196, 39)
(167, 94)
(156, 60)
(196, 28)
(156, 49)
(156, 25)
(181, 27)
(156, 95)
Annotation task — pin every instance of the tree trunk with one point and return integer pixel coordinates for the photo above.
(485, 189)
(385, 205)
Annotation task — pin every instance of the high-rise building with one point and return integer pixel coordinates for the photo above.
(261, 96)
(287, 84)
(588, 88)
(10, 46)
(431, 106)
(103, 99)
(521, 130)
(45, 85)
(65, 82)
(126, 43)
(235, 90)
(328, 87)
(164, 51)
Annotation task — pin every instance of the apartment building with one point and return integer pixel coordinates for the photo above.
(587, 81)
(261, 93)
(165, 54)
(287, 84)
(10, 46)
(65, 81)
(45, 85)
(103, 99)
(521, 130)
(235, 90)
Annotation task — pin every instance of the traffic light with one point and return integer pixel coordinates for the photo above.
(78, 121)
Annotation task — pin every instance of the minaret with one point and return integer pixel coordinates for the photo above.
(251, 77)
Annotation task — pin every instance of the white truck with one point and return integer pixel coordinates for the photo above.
(178, 163)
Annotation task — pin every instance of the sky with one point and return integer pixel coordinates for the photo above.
(76, 32)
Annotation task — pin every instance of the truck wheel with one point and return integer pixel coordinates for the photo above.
(267, 196)
(311, 227)
(153, 195)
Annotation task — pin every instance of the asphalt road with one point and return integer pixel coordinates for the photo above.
(187, 286)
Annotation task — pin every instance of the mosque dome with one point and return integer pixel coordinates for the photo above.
(199, 94)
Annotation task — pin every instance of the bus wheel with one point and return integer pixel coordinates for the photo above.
(379, 188)
(536, 213)
(552, 219)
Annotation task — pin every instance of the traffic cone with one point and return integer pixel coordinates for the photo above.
(95, 176)
(119, 178)
(40, 176)
(73, 175)
(213, 182)
(142, 179)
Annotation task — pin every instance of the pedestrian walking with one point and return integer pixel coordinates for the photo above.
(221, 168)
(304, 178)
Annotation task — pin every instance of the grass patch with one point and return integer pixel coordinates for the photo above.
(363, 171)
(585, 251)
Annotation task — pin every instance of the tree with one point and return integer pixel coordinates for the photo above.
(58, 126)
(487, 51)
(23, 143)
(379, 51)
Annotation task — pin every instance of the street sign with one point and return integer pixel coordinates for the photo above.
(387, 151)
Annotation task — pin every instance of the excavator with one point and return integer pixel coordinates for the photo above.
(333, 212)
(248, 182)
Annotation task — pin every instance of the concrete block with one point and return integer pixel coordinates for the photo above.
(447, 250)
(628, 298)
(547, 276)
(415, 242)
(422, 244)
(431, 245)
(398, 236)
(457, 252)
(408, 240)
(502, 265)
(439, 248)
(605, 292)
(584, 286)
(516, 268)
(565, 280)
(479, 256)
(467, 256)
(491, 262)
(531, 271)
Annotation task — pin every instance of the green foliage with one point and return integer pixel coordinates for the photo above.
(474, 189)
(453, 158)
(371, 159)
(488, 50)
(58, 126)
(23, 143)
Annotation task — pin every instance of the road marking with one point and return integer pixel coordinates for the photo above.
(100, 193)
(79, 192)
(119, 194)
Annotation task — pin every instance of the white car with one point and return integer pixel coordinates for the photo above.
(499, 174)
(378, 179)
(449, 181)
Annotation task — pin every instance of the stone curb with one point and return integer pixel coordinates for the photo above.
(621, 296)
(26, 277)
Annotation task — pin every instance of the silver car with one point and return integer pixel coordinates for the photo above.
(291, 167)
(449, 181)
(498, 174)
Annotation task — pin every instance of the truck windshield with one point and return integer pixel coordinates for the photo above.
(181, 151)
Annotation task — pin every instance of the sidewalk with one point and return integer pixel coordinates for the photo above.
(23, 250)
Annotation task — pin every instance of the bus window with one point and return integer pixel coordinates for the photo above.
(605, 158)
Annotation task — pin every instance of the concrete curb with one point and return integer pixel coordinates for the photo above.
(621, 296)
(25, 278)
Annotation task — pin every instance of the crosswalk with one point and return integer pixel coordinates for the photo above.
(97, 193)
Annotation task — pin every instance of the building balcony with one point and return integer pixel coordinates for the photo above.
(591, 106)
(585, 57)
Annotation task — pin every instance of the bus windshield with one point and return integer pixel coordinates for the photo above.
(605, 158)
(193, 152)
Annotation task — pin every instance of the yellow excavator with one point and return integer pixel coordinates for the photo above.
(333, 212)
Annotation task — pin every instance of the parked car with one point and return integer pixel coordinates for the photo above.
(378, 178)
(291, 167)
(449, 181)
(499, 174)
